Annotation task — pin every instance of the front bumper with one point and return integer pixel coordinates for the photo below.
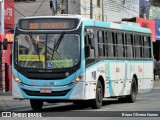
(68, 92)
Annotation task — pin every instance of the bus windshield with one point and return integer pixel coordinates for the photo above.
(47, 51)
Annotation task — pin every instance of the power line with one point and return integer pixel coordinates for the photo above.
(23, 8)
(15, 9)
(38, 7)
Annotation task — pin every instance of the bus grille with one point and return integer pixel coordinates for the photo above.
(54, 93)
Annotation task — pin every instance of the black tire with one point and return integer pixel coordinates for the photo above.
(97, 103)
(36, 104)
(133, 92)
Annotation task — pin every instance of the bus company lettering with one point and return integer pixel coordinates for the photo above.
(139, 69)
(101, 69)
(118, 69)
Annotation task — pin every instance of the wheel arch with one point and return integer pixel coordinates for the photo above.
(136, 79)
(101, 79)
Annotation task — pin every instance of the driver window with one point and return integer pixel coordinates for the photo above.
(91, 44)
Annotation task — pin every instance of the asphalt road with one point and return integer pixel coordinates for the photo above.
(112, 109)
(145, 102)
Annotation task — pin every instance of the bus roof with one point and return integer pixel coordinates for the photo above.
(119, 26)
(57, 16)
(90, 22)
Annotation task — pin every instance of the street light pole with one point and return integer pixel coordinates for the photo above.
(2, 16)
(102, 10)
(91, 9)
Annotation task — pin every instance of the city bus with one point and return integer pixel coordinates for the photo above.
(70, 58)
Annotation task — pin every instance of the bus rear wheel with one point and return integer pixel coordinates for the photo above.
(97, 103)
(133, 92)
(36, 104)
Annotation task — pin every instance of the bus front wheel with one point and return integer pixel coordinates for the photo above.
(36, 104)
(97, 103)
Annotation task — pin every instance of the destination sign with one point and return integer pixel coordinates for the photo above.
(48, 24)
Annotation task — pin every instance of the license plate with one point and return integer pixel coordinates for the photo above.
(42, 90)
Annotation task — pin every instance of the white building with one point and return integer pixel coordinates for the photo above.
(115, 10)
(83, 7)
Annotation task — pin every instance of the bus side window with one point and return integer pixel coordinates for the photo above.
(110, 44)
(149, 44)
(101, 43)
(129, 45)
(138, 46)
(106, 45)
(120, 43)
(146, 47)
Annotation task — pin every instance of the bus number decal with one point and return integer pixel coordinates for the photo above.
(94, 75)
(33, 25)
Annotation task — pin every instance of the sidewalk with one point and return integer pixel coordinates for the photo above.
(7, 102)
(156, 85)
(5, 94)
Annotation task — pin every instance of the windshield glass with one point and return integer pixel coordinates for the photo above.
(47, 51)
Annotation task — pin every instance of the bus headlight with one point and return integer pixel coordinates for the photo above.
(78, 79)
(16, 79)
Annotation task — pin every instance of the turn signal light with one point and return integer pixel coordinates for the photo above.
(16, 79)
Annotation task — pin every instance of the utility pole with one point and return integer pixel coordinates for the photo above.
(102, 10)
(2, 16)
(91, 9)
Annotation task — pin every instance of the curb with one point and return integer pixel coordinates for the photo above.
(14, 108)
(6, 98)
(5, 93)
(156, 83)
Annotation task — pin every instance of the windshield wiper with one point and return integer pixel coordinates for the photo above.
(56, 45)
(35, 45)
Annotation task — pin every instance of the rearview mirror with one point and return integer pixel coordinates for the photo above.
(89, 32)
(91, 36)
(87, 51)
(10, 31)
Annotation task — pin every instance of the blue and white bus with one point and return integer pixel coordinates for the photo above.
(69, 58)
